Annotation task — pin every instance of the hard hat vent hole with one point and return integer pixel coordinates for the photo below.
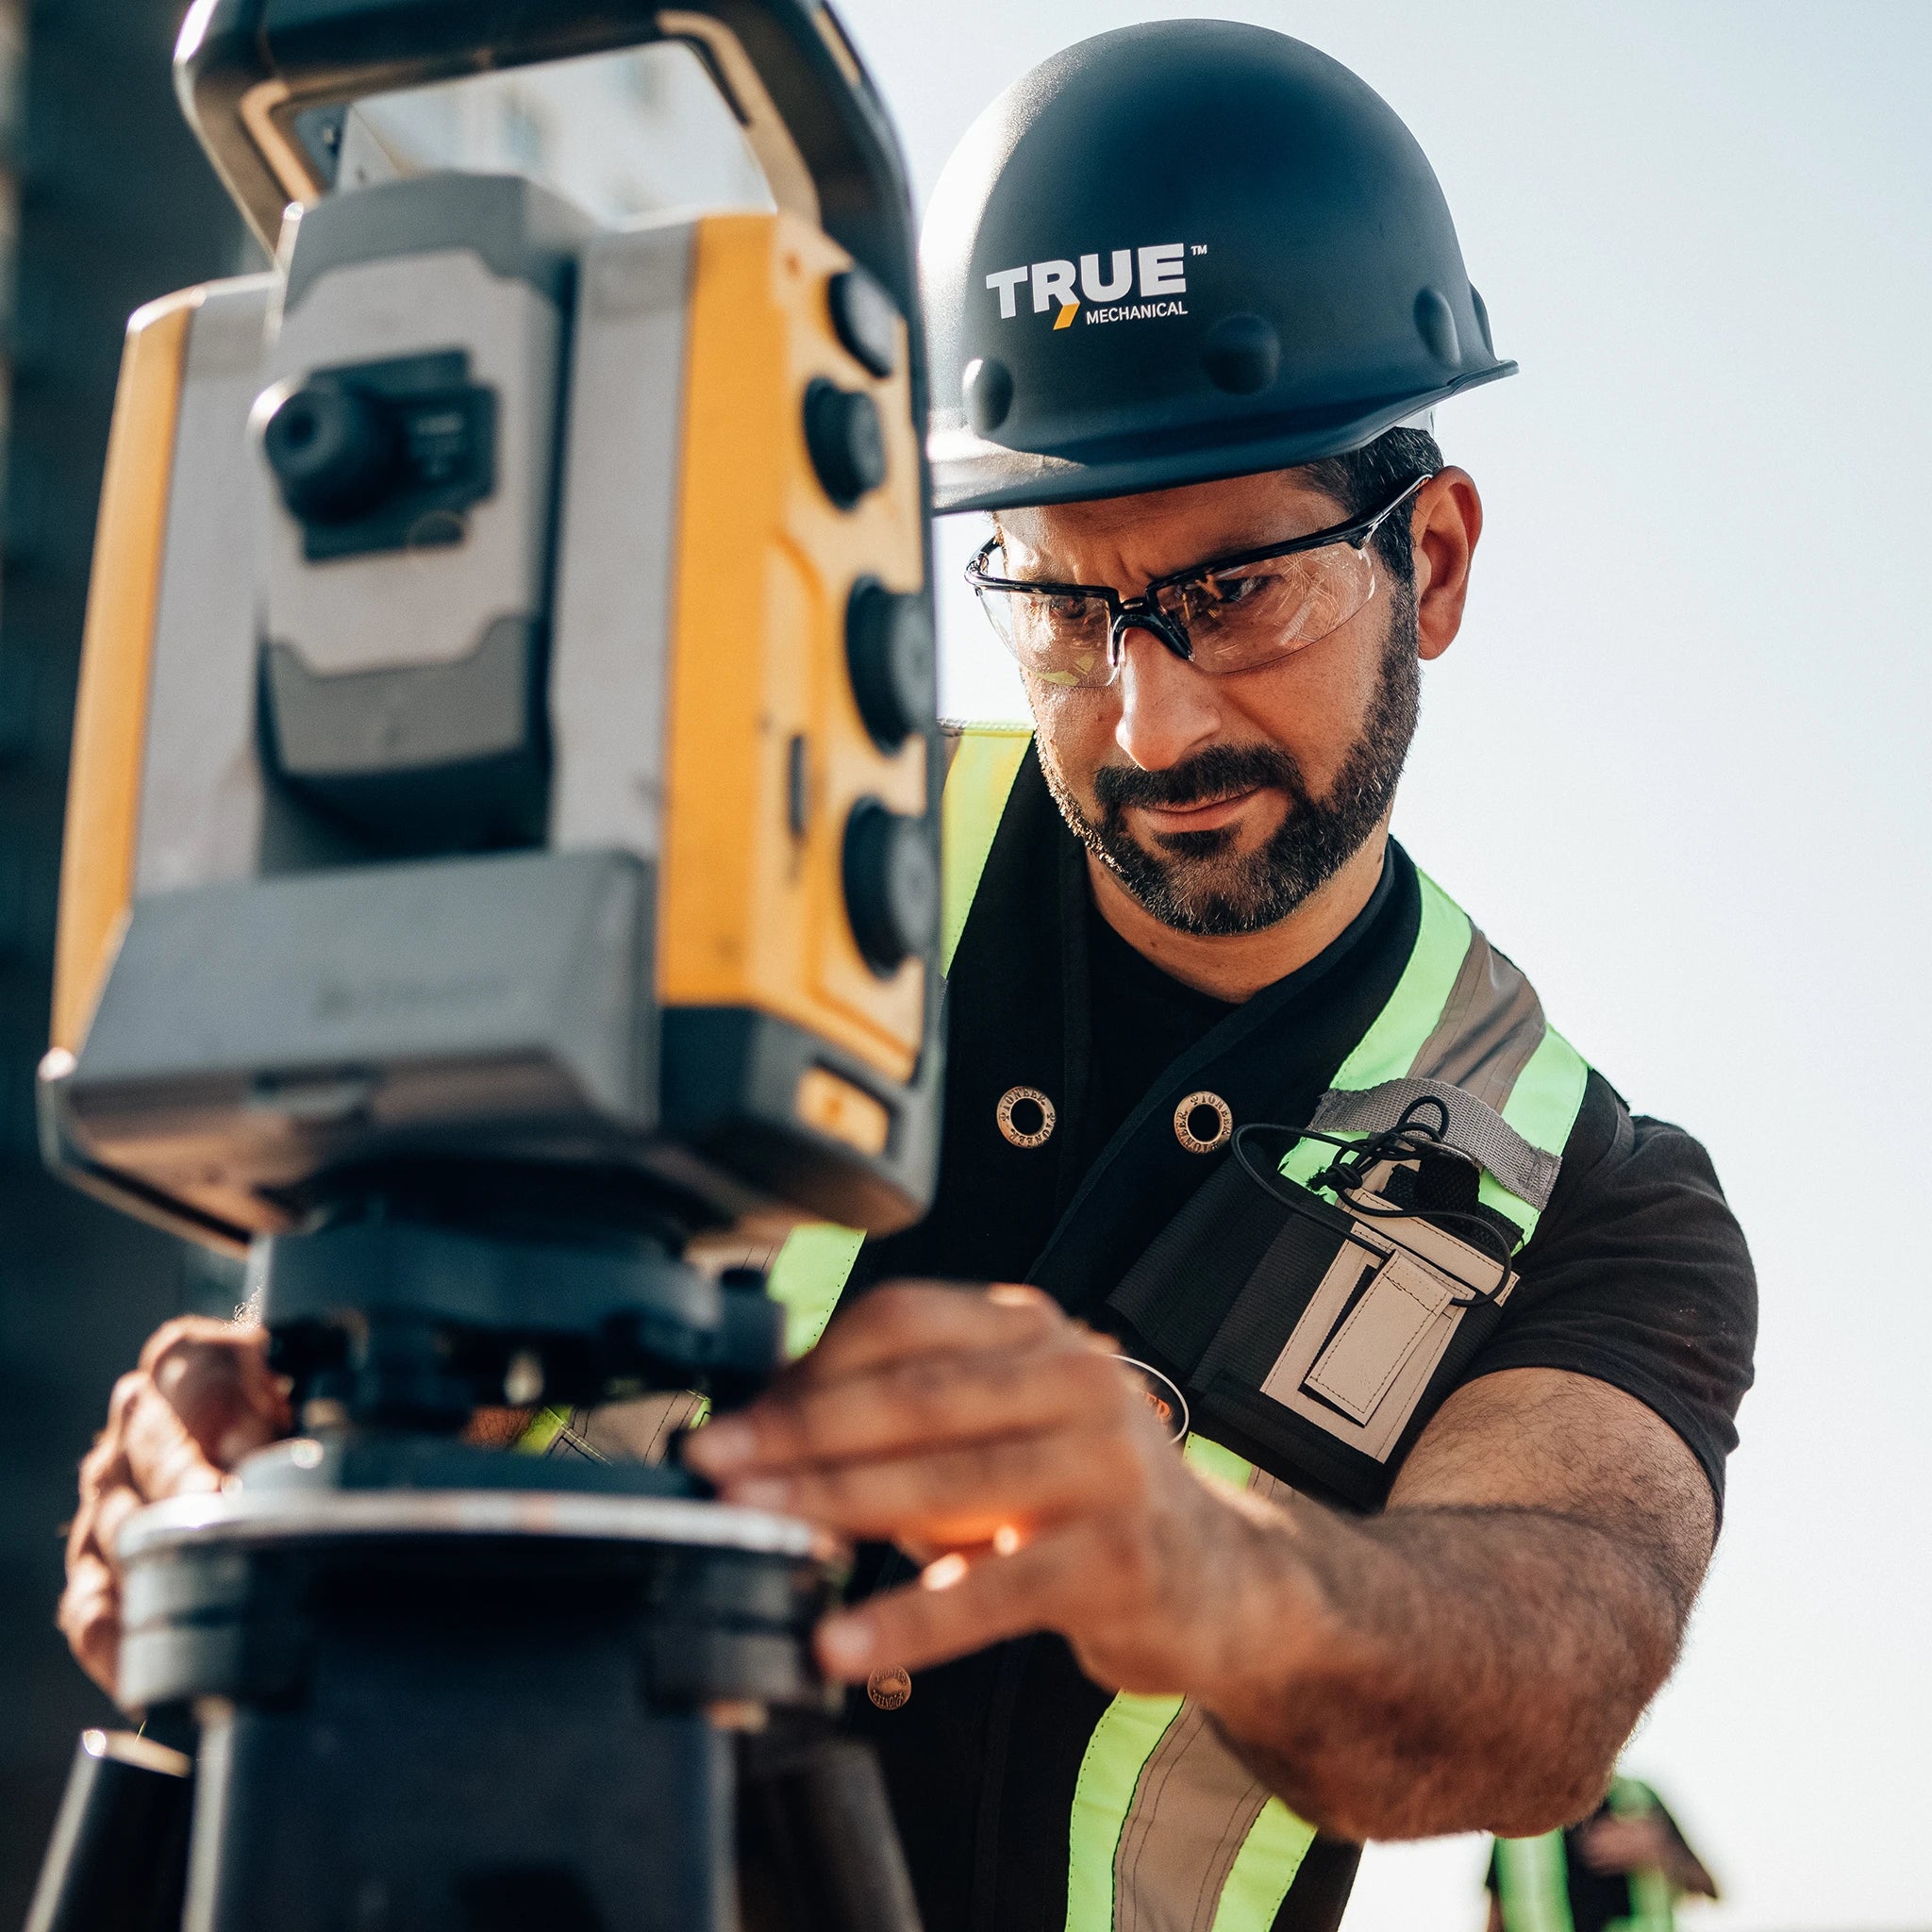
(1482, 317)
(988, 387)
(1435, 322)
(1242, 354)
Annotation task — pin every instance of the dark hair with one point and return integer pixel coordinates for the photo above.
(1364, 479)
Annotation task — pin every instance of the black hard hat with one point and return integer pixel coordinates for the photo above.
(1180, 251)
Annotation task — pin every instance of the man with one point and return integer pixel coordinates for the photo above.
(1234, 1092)
(1621, 1869)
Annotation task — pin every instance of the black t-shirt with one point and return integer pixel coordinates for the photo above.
(1637, 1274)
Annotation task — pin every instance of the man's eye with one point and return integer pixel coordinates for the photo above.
(1224, 593)
(1069, 610)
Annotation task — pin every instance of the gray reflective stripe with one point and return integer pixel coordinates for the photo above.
(1193, 1806)
(1472, 1127)
(1492, 1024)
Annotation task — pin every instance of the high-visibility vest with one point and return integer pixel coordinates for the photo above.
(1162, 1810)
(1533, 1878)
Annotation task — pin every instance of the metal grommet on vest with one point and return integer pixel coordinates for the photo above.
(890, 1686)
(1187, 1123)
(1025, 1116)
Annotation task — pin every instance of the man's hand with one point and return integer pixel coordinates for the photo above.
(202, 1398)
(999, 1443)
(1473, 1659)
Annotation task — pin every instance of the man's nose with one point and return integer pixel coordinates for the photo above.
(1167, 707)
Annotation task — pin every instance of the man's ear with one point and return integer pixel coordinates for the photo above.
(1445, 526)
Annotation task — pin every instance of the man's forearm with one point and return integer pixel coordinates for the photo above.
(1448, 1670)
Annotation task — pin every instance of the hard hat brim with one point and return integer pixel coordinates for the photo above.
(971, 472)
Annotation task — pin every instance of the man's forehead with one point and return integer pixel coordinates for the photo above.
(1168, 530)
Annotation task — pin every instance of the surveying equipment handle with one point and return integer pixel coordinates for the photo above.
(245, 69)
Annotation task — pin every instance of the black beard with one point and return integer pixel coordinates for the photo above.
(1195, 882)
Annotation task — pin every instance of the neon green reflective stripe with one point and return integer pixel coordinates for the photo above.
(1542, 1107)
(1533, 1885)
(808, 1279)
(1652, 1904)
(1264, 1868)
(1219, 1461)
(984, 768)
(1543, 1103)
(1123, 1741)
(542, 1430)
(1652, 1898)
(1387, 1049)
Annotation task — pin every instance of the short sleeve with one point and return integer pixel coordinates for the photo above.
(1638, 1275)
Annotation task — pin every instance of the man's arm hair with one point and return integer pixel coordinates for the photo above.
(1487, 1643)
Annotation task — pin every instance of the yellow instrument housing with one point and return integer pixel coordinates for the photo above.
(764, 731)
(111, 707)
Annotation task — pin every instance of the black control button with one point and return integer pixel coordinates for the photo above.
(890, 656)
(333, 450)
(891, 884)
(865, 319)
(846, 439)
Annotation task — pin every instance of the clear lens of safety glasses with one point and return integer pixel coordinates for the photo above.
(1252, 613)
(1236, 619)
(1061, 640)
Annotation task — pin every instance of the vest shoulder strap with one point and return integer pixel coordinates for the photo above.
(1465, 1027)
(984, 760)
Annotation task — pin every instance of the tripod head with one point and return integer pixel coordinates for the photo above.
(502, 812)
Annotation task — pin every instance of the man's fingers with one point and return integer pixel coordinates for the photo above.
(979, 1602)
(963, 1395)
(90, 1619)
(164, 1459)
(215, 1377)
(915, 1317)
(958, 1496)
(202, 1398)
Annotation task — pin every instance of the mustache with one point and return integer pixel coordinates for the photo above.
(1219, 772)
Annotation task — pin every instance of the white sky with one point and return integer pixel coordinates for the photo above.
(1674, 767)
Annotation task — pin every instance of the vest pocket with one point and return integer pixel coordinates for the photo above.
(1362, 1352)
(1315, 1341)
(1401, 1308)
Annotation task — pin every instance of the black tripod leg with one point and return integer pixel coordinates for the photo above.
(118, 1860)
(817, 1850)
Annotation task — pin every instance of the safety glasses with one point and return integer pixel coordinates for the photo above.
(1231, 613)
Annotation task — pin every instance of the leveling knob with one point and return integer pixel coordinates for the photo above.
(846, 439)
(889, 653)
(892, 884)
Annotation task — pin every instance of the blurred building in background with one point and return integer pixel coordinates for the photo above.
(105, 202)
